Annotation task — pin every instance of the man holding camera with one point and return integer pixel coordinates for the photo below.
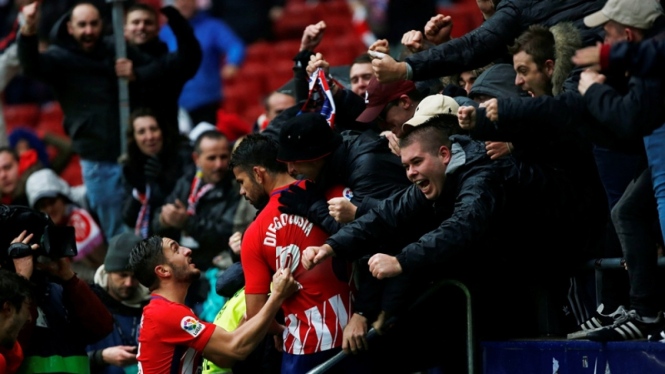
(66, 316)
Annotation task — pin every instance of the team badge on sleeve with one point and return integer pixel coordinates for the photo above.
(191, 326)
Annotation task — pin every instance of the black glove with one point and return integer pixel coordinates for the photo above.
(151, 169)
(297, 200)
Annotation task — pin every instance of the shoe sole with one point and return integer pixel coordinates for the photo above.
(582, 334)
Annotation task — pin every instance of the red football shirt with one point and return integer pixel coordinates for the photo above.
(317, 314)
(10, 359)
(171, 338)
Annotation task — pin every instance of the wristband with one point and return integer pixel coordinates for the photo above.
(19, 250)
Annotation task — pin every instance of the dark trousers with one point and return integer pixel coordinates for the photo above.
(633, 218)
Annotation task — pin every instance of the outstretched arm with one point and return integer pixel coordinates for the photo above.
(224, 348)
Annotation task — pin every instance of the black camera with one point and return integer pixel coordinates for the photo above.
(54, 241)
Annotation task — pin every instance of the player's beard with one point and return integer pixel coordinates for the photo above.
(185, 274)
(259, 197)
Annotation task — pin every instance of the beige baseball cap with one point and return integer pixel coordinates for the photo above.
(431, 106)
(640, 14)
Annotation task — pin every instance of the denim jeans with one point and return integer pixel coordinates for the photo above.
(105, 194)
(633, 218)
(655, 147)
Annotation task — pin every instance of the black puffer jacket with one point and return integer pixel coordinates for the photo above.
(473, 195)
(488, 42)
(86, 86)
(212, 224)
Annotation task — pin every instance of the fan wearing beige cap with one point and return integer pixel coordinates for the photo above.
(443, 108)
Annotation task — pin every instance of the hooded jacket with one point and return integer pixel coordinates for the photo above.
(458, 219)
(484, 211)
(161, 92)
(489, 41)
(497, 81)
(567, 40)
(86, 86)
(126, 316)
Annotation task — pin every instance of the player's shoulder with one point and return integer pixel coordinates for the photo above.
(160, 309)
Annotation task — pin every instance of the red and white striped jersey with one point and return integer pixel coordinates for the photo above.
(316, 315)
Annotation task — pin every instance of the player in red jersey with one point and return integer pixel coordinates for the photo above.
(316, 316)
(171, 338)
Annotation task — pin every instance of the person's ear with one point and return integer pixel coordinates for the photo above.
(444, 153)
(549, 68)
(630, 35)
(70, 28)
(195, 157)
(259, 173)
(163, 271)
(6, 308)
(405, 102)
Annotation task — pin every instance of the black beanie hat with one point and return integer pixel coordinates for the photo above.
(307, 137)
(117, 256)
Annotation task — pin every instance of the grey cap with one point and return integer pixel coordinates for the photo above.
(640, 14)
(117, 256)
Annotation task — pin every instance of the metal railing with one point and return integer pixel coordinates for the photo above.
(372, 333)
(601, 264)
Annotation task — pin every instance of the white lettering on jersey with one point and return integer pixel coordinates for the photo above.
(282, 221)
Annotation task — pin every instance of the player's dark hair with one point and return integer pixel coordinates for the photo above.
(14, 289)
(144, 258)
(257, 150)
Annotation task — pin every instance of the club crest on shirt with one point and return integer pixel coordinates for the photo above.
(347, 193)
(191, 326)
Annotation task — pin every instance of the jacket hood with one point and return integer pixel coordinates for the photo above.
(497, 81)
(45, 183)
(567, 40)
(142, 293)
(465, 151)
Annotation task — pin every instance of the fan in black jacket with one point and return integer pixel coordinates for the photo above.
(160, 92)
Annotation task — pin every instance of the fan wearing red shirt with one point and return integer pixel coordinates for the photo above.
(171, 338)
(14, 313)
(315, 317)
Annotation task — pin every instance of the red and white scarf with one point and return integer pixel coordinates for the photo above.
(197, 191)
(143, 220)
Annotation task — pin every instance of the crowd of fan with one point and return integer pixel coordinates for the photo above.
(505, 159)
